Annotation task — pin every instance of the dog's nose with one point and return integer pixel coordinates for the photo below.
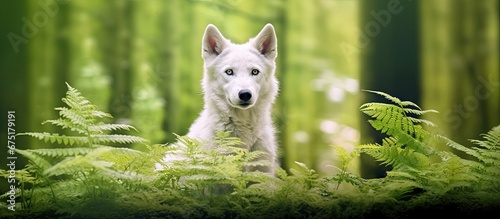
(245, 95)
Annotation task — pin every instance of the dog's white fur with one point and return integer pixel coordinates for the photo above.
(224, 110)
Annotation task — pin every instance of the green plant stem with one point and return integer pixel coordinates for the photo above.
(23, 199)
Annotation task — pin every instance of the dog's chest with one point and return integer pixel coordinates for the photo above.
(244, 130)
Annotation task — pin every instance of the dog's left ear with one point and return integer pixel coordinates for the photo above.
(266, 43)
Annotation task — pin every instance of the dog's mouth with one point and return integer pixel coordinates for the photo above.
(241, 104)
(245, 105)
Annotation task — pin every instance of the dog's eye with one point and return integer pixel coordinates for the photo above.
(255, 72)
(229, 72)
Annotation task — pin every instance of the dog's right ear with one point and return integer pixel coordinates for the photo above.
(213, 43)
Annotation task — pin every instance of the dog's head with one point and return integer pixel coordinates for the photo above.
(240, 73)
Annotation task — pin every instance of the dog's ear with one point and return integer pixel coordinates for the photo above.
(266, 43)
(213, 43)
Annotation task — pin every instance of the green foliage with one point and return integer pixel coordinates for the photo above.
(191, 164)
(85, 167)
(345, 176)
(408, 149)
(399, 121)
(191, 179)
(487, 153)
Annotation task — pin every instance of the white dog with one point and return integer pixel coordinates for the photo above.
(239, 87)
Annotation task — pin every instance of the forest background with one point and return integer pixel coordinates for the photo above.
(141, 61)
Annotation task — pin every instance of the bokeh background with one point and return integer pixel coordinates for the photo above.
(141, 61)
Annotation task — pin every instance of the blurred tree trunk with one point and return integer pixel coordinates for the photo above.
(296, 99)
(281, 108)
(460, 66)
(90, 50)
(32, 83)
(187, 78)
(148, 69)
(389, 45)
(46, 76)
(118, 55)
(170, 62)
(14, 83)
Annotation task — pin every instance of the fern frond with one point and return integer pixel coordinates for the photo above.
(72, 165)
(409, 103)
(460, 147)
(397, 101)
(403, 175)
(380, 110)
(490, 157)
(35, 159)
(422, 121)
(396, 116)
(254, 155)
(204, 177)
(224, 139)
(303, 170)
(110, 127)
(491, 139)
(75, 117)
(342, 155)
(128, 160)
(74, 99)
(101, 114)
(488, 152)
(389, 118)
(386, 96)
(415, 142)
(418, 112)
(66, 124)
(22, 175)
(61, 152)
(122, 139)
(257, 163)
(60, 139)
(127, 175)
(395, 156)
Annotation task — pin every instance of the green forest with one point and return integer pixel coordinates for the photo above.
(385, 108)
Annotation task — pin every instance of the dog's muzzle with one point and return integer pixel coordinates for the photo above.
(245, 99)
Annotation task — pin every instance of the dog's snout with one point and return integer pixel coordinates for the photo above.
(245, 95)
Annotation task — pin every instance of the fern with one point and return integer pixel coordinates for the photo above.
(60, 139)
(487, 153)
(405, 145)
(344, 159)
(488, 150)
(395, 154)
(61, 152)
(87, 160)
(191, 164)
(408, 148)
(83, 118)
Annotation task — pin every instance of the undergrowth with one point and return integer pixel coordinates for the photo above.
(87, 174)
